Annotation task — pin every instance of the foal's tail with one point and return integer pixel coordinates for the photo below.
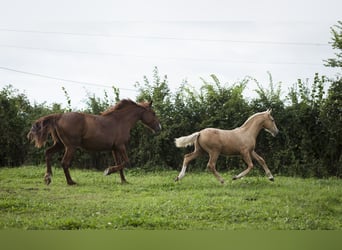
(185, 141)
(41, 129)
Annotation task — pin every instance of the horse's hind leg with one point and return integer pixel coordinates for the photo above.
(211, 165)
(187, 159)
(66, 162)
(57, 147)
(262, 162)
(121, 159)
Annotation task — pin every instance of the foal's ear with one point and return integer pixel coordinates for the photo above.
(150, 103)
(269, 111)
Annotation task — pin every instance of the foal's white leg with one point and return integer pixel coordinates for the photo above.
(181, 174)
(242, 174)
(186, 161)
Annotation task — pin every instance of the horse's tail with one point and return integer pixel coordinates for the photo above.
(185, 141)
(41, 129)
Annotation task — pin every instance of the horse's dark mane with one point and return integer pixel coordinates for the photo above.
(119, 106)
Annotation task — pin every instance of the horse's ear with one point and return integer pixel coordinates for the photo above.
(269, 111)
(150, 103)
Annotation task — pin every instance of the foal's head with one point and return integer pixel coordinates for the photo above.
(269, 123)
(149, 117)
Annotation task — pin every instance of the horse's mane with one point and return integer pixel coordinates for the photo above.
(124, 103)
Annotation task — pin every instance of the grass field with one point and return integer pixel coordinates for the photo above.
(155, 201)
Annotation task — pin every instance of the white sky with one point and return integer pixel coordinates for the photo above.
(106, 42)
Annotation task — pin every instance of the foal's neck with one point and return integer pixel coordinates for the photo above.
(253, 125)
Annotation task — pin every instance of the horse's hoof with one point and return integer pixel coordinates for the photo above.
(222, 182)
(71, 183)
(176, 179)
(235, 178)
(271, 179)
(47, 179)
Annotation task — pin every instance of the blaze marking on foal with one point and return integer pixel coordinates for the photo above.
(239, 141)
(109, 131)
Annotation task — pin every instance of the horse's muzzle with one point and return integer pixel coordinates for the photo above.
(157, 128)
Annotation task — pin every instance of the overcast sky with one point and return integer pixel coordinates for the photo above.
(88, 46)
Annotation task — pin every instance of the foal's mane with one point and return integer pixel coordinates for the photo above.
(252, 117)
(124, 103)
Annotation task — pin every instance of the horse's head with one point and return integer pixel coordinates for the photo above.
(149, 117)
(269, 123)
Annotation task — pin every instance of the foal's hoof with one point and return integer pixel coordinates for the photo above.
(271, 179)
(176, 179)
(235, 178)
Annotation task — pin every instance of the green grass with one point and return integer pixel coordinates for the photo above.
(155, 201)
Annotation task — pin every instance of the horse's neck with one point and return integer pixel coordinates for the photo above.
(253, 126)
(128, 118)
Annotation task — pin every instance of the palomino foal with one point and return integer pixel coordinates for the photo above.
(239, 141)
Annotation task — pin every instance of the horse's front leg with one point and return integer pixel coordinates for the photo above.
(57, 147)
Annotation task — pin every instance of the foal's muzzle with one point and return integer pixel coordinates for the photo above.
(273, 132)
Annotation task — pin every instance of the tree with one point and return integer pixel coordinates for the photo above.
(270, 98)
(14, 121)
(336, 31)
(147, 150)
(332, 120)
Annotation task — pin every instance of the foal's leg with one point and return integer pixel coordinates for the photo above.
(247, 158)
(211, 165)
(187, 159)
(262, 162)
(66, 162)
(48, 157)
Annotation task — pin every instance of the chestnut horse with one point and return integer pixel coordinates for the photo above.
(108, 131)
(239, 141)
